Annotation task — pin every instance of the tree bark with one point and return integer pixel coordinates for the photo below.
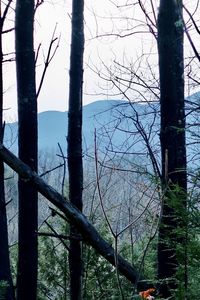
(75, 217)
(172, 230)
(27, 144)
(74, 138)
(5, 271)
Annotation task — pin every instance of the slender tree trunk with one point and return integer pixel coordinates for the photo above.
(27, 143)
(5, 272)
(75, 166)
(172, 230)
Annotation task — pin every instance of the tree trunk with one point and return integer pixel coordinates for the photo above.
(75, 165)
(172, 230)
(27, 143)
(5, 272)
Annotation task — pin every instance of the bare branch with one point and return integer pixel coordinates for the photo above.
(86, 229)
(48, 59)
(38, 3)
(8, 30)
(51, 170)
(5, 13)
(99, 189)
(192, 19)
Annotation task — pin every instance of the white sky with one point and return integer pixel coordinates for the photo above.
(99, 53)
(54, 94)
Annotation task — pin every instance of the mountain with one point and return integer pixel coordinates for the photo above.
(120, 127)
(106, 117)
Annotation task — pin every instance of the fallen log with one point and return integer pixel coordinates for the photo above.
(89, 234)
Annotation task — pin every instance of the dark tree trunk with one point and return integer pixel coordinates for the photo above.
(27, 143)
(5, 272)
(75, 166)
(172, 230)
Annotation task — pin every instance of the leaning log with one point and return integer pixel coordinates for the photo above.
(88, 232)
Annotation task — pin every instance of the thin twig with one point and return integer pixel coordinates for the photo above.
(57, 235)
(5, 13)
(64, 169)
(51, 170)
(48, 59)
(98, 186)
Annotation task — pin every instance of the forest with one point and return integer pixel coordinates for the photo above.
(114, 214)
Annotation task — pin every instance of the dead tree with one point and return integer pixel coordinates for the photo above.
(27, 144)
(88, 233)
(5, 271)
(74, 138)
(172, 229)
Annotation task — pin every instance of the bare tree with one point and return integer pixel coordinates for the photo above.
(27, 144)
(172, 229)
(75, 217)
(173, 223)
(5, 271)
(75, 165)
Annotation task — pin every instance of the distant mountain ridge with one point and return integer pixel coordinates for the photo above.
(115, 124)
(52, 125)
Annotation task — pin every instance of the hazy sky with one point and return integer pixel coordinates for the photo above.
(102, 17)
(98, 52)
